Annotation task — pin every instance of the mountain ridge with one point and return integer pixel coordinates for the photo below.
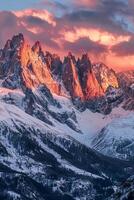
(33, 67)
(49, 113)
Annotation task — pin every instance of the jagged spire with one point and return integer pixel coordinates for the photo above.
(86, 62)
(32, 67)
(7, 45)
(70, 76)
(17, 41)
(37, 47)
(89, 83)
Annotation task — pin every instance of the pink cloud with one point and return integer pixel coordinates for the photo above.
(86, 3)
(67, 33)
(41, 14)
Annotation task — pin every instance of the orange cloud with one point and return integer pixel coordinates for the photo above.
(102, 37)
(41, 14)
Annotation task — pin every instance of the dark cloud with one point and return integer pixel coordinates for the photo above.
(36, 22)
(8, 25)
(97, 20)
(124, 48)
(85, 44)
(11, 25)
(105, 16)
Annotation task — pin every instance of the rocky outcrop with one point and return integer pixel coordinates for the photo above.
(90, 85)
(126, 78)
(70, 77)
(22, 66)
(105, 76)
(54, 63)
(36, 72)
(10, 65)
(126, 83)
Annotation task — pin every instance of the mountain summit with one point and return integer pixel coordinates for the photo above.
(24, 67)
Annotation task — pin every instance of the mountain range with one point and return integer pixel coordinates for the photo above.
(66, 126)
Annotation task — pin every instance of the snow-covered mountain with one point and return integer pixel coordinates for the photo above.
(39, 161)
(50, 111)
(117, 138)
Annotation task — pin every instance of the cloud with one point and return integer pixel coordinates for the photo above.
(85, 45)
(96, 20)
(125, 48)
(9, 26)
(33, 28)
(95, 35)
(100, 27)
(41, 14)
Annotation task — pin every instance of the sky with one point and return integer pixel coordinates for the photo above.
(103, 28)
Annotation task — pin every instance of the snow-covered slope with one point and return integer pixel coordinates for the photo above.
(61, 114)
(35, 153)
(117, 138)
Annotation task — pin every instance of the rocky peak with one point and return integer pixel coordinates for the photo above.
(89, 83)
(10, 62)
(13, 47)
(36, 71)
(37, 47)
(70, 58)
(56, 65)
(84, 66)
(5, 53)
(17, 41)
(21, 65)
(86, 63)
(70, 76)
(7, 45)
(25, 68)
(48, 59)
(105, 76)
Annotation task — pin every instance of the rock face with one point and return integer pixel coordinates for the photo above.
(105, 76)
(126, 79)
(80, 79)
(27, 68)
(10, 62)
(24, 66)
(36, 72)
(54, 63)
(21, 65)
(90, 85)
(70, 77)
(126, 82)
